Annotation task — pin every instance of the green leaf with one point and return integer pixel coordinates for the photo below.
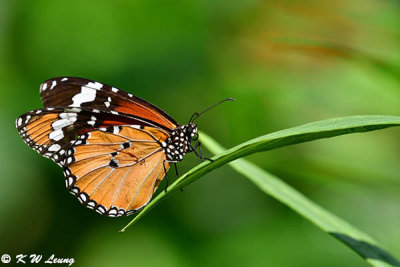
(358, 241)
(361, 243)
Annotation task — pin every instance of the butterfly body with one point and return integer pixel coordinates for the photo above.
(177, 145)
(115, 148)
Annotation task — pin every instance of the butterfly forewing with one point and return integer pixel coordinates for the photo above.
(83, 93)
(51, 131)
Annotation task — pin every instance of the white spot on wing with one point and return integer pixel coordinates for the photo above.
(66, 120)
(56, 135)
(75, 110)
(74, 190)
(64, 79)
(19, 121)
(92, 120)
(121, 212)
(54, 147)
(53, 84)
(101, 209)
(69, 116)
(95, 85)
(115, 129)
(44, 86)
(112, 212)
(70, 181)
(115, 90)
(86, 95)
(82, 198)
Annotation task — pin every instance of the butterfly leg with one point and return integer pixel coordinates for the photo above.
(199, 154)
(166, 177)
(176, 170)
(177, 174)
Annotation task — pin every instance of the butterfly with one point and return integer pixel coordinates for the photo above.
(114, 147)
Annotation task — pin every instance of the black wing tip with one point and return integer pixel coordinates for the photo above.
(70, 79)
(52, 82)
(59, 78)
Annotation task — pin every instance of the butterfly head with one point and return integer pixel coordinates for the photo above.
(191, 131)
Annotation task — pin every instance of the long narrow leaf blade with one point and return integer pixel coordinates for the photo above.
(358, 241)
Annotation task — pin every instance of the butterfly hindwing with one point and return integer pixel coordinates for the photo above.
(84, 93)
(116, 170)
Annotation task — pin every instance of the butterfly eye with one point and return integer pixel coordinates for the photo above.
(195, 136)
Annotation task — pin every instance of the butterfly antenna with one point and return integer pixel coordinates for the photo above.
(196, 115)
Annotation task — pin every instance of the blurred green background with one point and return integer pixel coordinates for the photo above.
(286, 63)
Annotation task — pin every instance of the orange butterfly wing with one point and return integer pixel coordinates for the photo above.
(108, 141)
(116, 170)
